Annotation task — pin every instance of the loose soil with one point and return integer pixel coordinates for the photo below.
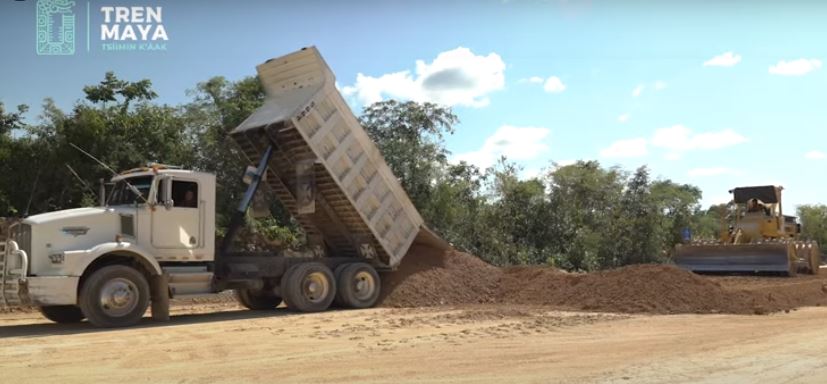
(430, 277)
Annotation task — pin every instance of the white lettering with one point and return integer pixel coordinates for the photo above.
(109, 33)
(153, 14)
(121, 14)
(137, 15)
(160, 33)
(120, 24)
(144, 30)
(128, 33)
(107, 13)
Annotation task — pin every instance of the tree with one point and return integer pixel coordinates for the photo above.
(121, 136)
(409, 135)
(111, 86)
(676, 205)
(637, 233)
(583, 200)
(814, 223)
(9, 148)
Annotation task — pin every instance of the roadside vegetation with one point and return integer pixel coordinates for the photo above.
(582, 216)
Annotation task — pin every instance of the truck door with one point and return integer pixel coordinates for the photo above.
(177, 222)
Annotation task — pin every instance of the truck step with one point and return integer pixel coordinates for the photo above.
(189, 282)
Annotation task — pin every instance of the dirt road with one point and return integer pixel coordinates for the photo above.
(465, 344)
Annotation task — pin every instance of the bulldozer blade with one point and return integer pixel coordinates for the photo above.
(749, 258)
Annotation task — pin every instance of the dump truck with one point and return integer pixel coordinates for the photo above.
(154, 237)
(754, 237)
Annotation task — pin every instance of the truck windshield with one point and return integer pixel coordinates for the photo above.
(123, 195)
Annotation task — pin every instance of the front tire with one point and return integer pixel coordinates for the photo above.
(114, 296)
(63, 314)
(308, 287)
(257, 300)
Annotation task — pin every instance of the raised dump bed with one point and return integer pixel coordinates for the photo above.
(325, 169)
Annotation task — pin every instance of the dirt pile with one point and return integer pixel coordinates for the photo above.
(428, 277)
(639, 288)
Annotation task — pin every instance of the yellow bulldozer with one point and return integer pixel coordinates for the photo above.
(755, 237)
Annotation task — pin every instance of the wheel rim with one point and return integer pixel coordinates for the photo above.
(316, 287)
(364, 285)
(118, 297)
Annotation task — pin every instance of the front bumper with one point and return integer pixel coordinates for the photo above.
(52, 290)
(14, 266)
(17, 289)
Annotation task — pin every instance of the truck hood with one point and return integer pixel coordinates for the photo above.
(76, 213)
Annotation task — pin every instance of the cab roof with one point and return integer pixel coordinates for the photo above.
(769, 194)
(154, 169)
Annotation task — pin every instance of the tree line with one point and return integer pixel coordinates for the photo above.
(582, 216)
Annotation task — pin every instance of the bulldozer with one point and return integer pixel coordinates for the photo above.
(755, 237)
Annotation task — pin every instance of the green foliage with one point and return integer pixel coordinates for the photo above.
(813, 220)
(409, 135)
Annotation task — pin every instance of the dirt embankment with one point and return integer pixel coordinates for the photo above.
(428, 277)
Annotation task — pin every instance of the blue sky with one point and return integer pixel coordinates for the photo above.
(715, 94)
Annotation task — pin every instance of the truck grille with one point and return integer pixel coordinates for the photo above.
(23, 236)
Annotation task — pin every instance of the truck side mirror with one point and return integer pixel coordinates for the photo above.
(165, 192)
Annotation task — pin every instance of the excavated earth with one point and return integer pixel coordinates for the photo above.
(429, 277)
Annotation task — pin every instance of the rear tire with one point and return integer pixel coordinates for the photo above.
(358, 286)
(257, 300)
(63, 314)
(114, 296)
(308, 287)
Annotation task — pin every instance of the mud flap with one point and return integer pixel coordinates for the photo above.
(159, 287)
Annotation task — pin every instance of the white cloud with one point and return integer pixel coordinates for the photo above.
(815, 155)
(679, 139)
(795, 67)
(626, 148)
(530, 173)
(515, 143)
(657, 86)
(726, 59)
(638, 90)
(623, 118)
(714, 171)
(554, 85)
(533, 80)
(455, 77)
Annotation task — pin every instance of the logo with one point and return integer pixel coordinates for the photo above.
(133, 29)
(75, 231)
(55, 27)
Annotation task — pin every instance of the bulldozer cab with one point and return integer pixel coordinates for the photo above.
(757, 215)
(763, 199)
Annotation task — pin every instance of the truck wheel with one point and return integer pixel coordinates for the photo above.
(114, 296)
(358, 286)
(257, 300)
(62, 314)
(308, 287)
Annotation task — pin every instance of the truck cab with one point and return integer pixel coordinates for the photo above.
(153, 216)
(173, 218)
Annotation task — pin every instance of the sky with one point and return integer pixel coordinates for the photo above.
(717, 94)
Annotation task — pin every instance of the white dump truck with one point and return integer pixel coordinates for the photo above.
(154, 238)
